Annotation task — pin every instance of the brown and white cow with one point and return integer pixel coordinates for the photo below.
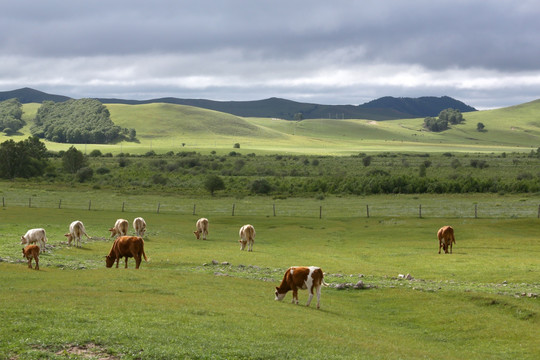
(202, 228)
(120, 228)
(126, 246)
(31, 252)
(140, 226)
(247, 236)
(76, 231)
(301, 277)
(446, 238)
(35, 236)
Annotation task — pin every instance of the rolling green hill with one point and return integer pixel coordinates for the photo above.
(168, 127)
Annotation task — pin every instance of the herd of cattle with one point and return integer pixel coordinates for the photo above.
(124, 246)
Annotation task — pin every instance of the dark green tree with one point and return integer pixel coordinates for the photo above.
(22, 159)
(73, 160)
(214, 183)
(480, 126)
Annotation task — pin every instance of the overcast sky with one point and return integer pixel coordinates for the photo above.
(485, 53)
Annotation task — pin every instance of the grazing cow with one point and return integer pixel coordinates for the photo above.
(140, 226)
(202, 228)
(120, 228)
(301, 277)
(247, 236)
(35, 236)
(446, 238)
(76, 231)
(126, 246)
(31, 252)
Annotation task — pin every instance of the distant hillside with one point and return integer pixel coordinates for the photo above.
(386, 108)
(28, 95)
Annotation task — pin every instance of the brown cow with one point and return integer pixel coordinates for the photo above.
(126, 246)
(446, 238)
(31, 252)
(301, 277)
(202, 228)
(120, 228)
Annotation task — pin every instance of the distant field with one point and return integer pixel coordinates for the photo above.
(177, 307)
(167, 127)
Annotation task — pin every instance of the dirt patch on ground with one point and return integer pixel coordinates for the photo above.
(87, 351)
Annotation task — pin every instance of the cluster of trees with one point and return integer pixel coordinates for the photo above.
(78, 122)
(446, 117)
(11, 116)
(23, 159)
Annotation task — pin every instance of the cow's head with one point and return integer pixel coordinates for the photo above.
(113, 231)
(23, 240)
(242, 244)
(109, 261)
(69, 237)
(279, 296)
(142, 231)
(197, 234)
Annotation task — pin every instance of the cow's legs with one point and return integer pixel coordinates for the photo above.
(126, 263)
(319, 297)
(37, 262)
(310, 297)
(30, 263)
(295, 296)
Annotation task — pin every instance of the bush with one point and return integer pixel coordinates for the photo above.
(159, 179)
(103, 170)
(85, 173)
(261, 186)
(95, 153)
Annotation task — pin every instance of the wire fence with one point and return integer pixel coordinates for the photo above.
(405, 206)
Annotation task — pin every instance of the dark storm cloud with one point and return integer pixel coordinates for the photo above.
(330, 52)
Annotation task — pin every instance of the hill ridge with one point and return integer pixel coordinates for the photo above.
(385, 108)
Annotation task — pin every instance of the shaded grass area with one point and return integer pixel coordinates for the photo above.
(458, 306)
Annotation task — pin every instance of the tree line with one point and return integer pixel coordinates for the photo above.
(83, 121)
(11, 116)
(446, 117)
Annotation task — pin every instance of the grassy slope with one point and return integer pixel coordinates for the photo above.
(164, 127)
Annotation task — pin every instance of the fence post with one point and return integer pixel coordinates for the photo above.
(158, 206)
(274, 208)
(29, 202)
(4, 203)
(538, 209)
(194, 205)
(367, 210)
(89, 204)
(420, 211)
(60, 204)
(476, 211)
(123, 203)
(233, 209)
(320, 212)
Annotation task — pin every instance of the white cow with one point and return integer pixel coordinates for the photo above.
(140, 226)
(202, 228)
(120, 228)
(35, 236)
(76, 231)
(247, 236)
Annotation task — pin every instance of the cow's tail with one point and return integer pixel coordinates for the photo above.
(453, 239)
(144, 255)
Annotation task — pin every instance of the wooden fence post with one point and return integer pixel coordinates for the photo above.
(194, 205)
(274, 208)
(29, 202)
(420, 211)
(367, 210)
(123, 203)
(4, 203)
(233, 205)
(320, 212)
(476, 211)
(158, 206)
(538, 209)
(60, 204)
(89, 204)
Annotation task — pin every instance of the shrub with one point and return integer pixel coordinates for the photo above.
(236, 146)
(85, 173)
(261, 186)
(103, 170)
(159, 179)
(95, 153)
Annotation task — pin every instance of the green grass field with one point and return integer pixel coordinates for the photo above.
(465, 305)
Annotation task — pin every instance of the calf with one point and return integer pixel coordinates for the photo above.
(446, 238)
(76, 231)
(247, 236)
(140, 226)
(120, 228)
(301, 277)
(35, 236)
(126, 246)
(31, 252)
(202, 228)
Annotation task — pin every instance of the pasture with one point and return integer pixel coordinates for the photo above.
(472, 304)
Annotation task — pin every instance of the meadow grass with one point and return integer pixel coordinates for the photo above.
(179, 305)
